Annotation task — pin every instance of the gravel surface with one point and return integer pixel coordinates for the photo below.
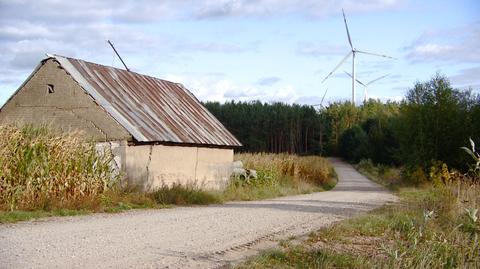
(184, 237)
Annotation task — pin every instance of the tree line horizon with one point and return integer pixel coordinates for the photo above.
(430, 124)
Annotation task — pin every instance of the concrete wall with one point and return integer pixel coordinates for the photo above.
(68, 108)
(152, 166)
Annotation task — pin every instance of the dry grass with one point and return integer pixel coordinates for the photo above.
(39, 170)
(311, 169)
(280, 175)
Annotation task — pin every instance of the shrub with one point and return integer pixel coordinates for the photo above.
(41, 170)
(385, 175)
(414, 175)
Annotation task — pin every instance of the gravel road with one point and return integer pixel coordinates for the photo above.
(184, 237)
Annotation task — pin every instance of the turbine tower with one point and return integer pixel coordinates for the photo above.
(352, 52)
(365, 85)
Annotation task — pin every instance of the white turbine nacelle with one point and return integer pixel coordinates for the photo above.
(365, 85)
(352, 52)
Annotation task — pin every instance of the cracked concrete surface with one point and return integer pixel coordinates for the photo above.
(184, 237)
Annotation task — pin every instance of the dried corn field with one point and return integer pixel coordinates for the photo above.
(42, 170)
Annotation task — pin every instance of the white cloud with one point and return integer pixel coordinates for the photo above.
(269, 8)
(459, 44)
(467, 78)
(209, 88)
(268, 81)
(152, 10)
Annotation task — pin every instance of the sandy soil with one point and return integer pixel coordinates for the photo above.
(184, 237)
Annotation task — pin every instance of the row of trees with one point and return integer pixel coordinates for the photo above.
(430, 124)
(277, 127)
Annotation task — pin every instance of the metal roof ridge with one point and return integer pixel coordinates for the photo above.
(65, 63)
(112, 67)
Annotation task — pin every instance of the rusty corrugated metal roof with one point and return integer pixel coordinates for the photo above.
(151, 109)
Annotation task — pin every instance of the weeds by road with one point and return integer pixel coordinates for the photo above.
(280, 175)
(434, 226)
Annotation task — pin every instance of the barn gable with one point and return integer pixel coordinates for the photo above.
(126, 105)
(52, 98)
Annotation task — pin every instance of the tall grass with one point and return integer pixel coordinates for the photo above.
(41, 170)
(312, 169)
(280, 175)
(387, 176)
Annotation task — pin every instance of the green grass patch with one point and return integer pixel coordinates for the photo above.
(260, 189)
(184, 195)
(17, 215)
(301, 257)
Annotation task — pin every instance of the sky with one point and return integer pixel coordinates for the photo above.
(268, 50)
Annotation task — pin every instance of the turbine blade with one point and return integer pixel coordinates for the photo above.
(358, 81)
(375, 54)
(347, 73)
(321, 102)
(379, 78)
(361, 83)
(336, 67)
(346, 27)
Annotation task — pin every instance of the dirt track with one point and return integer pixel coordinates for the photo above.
(184, 237)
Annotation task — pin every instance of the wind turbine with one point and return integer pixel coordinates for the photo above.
(353, 52)
(365, 85)
(321, 102)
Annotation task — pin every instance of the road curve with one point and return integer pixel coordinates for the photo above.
(184, 237)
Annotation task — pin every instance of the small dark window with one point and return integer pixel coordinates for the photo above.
(50, 88)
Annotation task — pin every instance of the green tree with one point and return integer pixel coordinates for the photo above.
(433, 124)
(354, 144)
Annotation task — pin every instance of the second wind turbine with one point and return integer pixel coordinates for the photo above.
(353, 52)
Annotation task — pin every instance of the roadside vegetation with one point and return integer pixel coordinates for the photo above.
(280, 175)
(416, 148)
(388, 176)
(45, 174)
(435, 225)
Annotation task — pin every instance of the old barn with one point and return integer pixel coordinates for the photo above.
(157, 130)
